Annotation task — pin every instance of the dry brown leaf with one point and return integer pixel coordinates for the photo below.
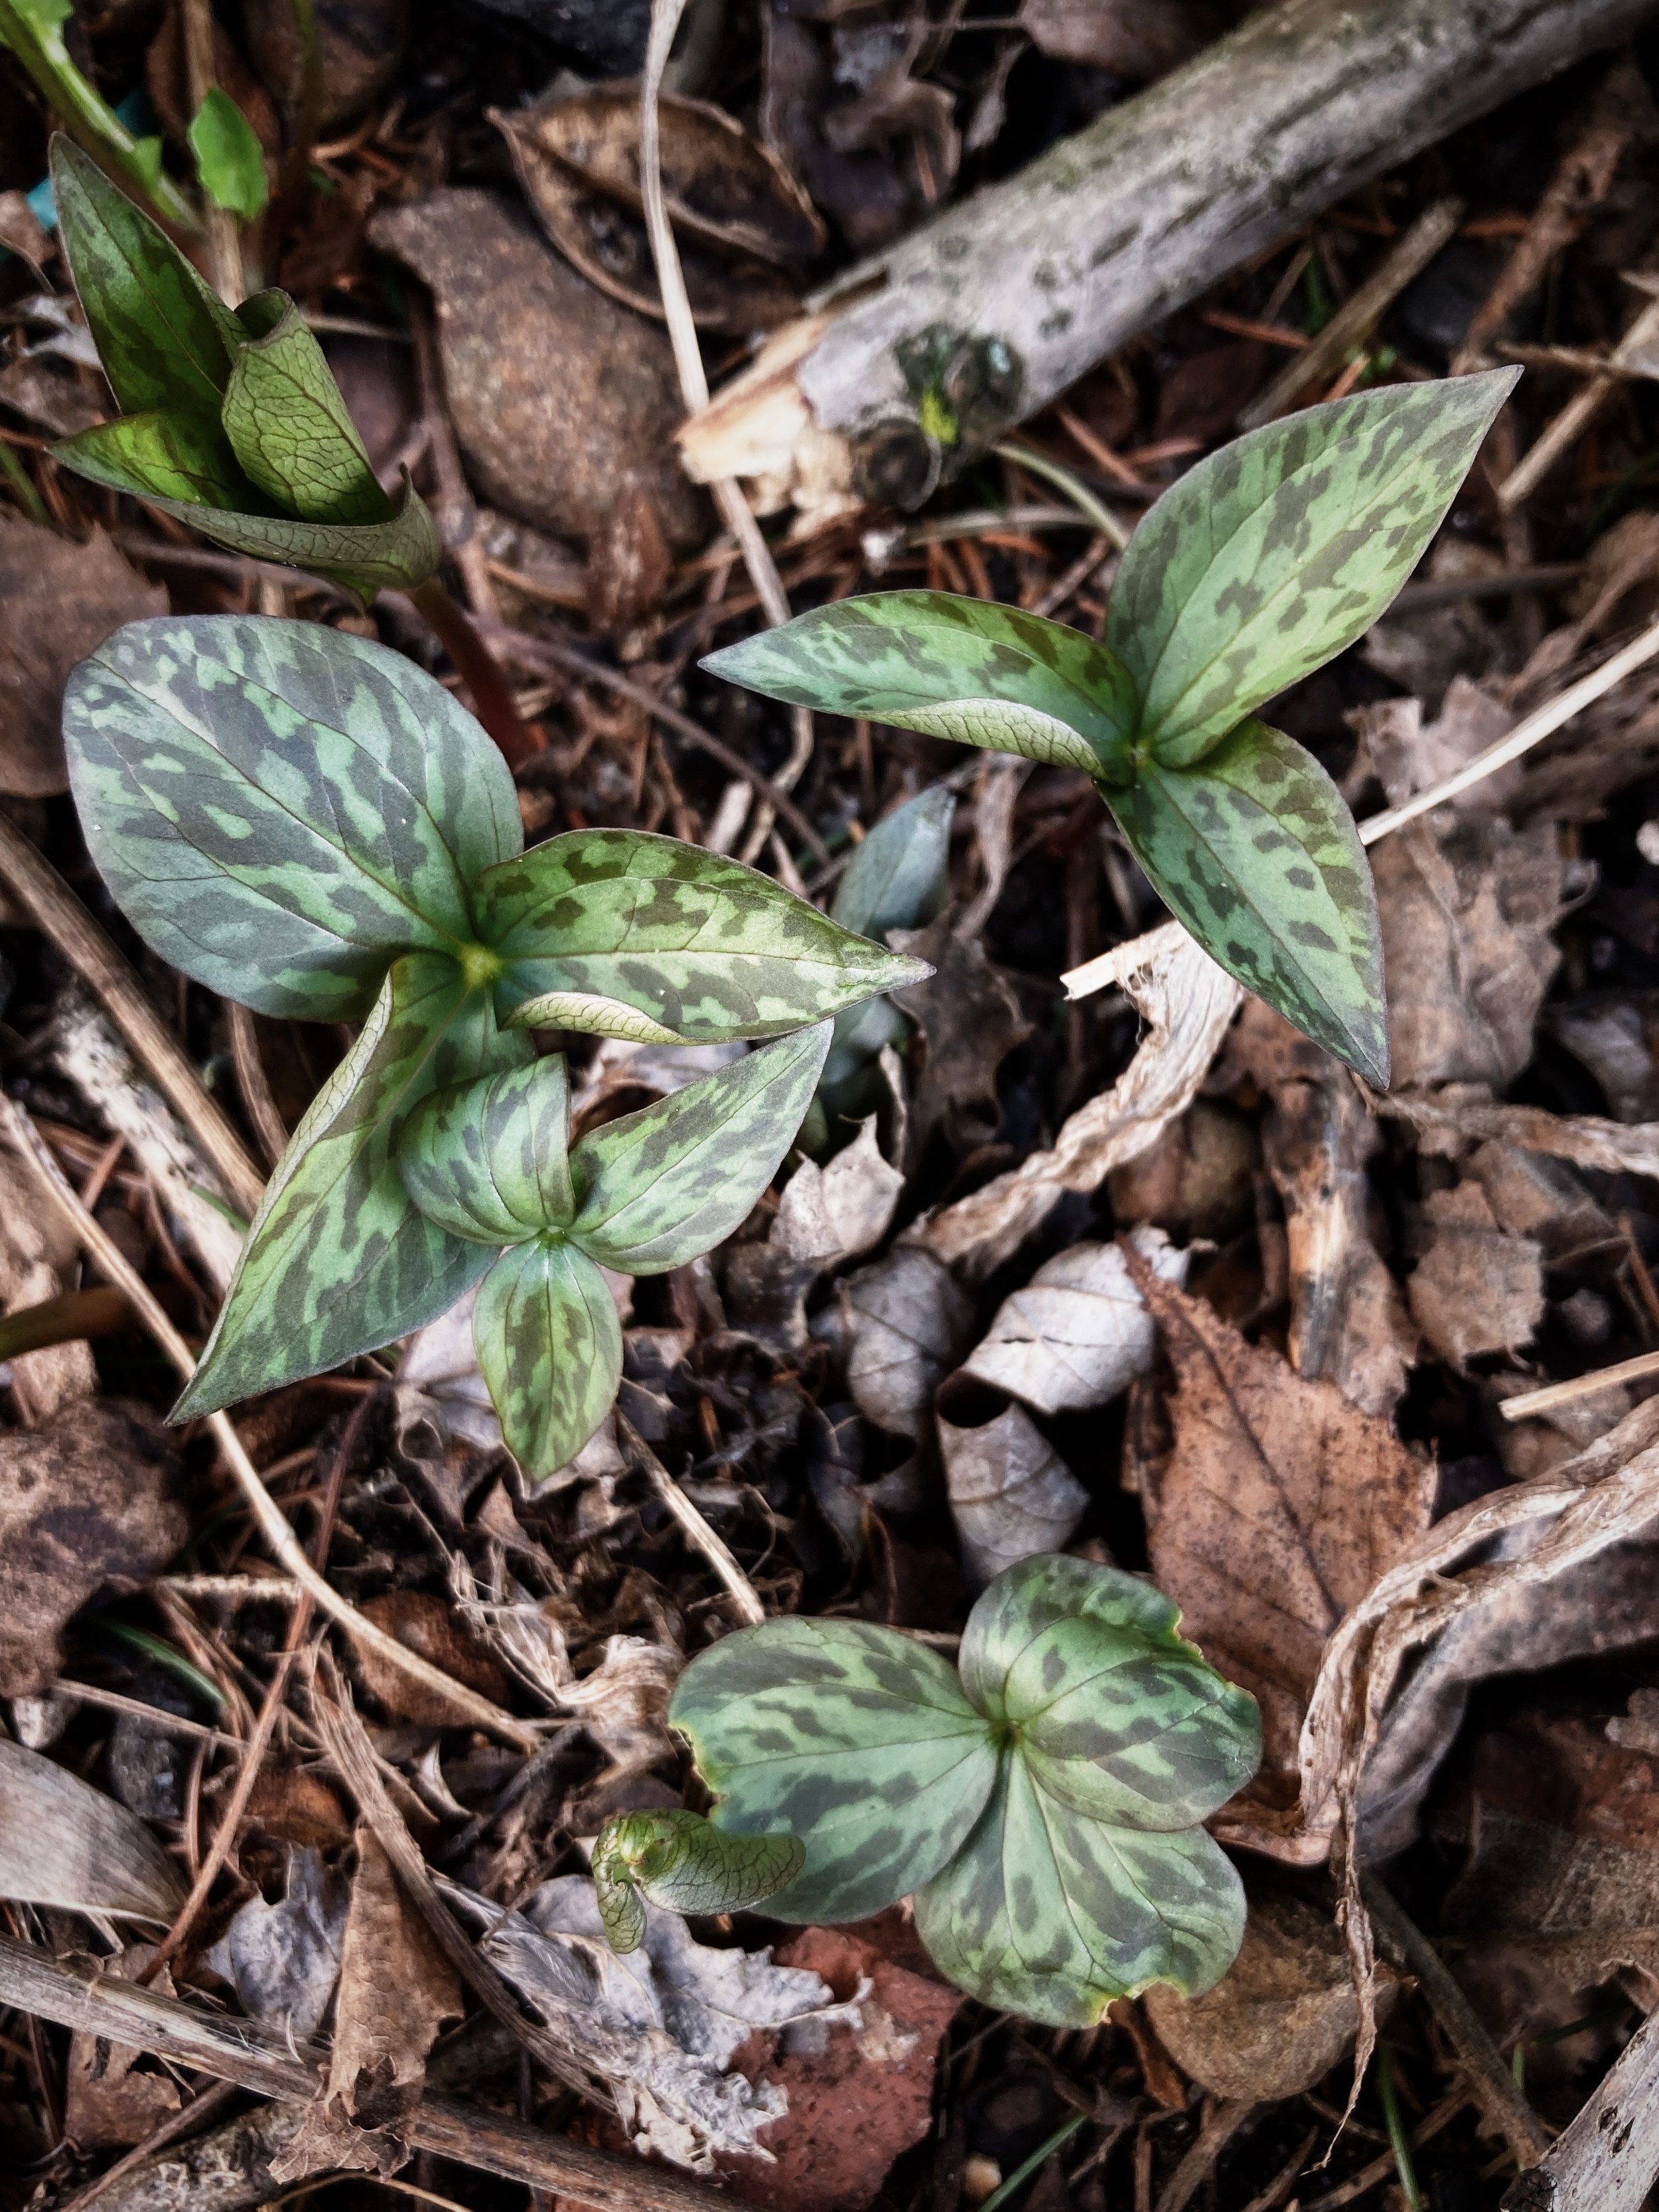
(1011, 1492)
(396, 1991)
(1078, 1333)
(1281, 2016)
(110, 2099)
(59, 602)
(827, 1216)
(64, 1843)
(428, 1625)
(92, 1497)
(1467, 906)
(1466, 1113)
(1474, 1289)
(1280, 1506)
(629, 565)
(908, 1321)
(1187, 1004)
(742, 224)
(1199, 1179)
(970, 1021)
(1409, 754)
(562, 398)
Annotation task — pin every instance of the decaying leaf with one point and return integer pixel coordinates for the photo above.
(744, 225)
(828, 1216)
(1012, 1494)
(970, 1020)
(1408, 754)
(396, 1991)
(1279, 2018)
(284, 1959)
(1349, 1322)
(38, 1261)
(90, 1497)
(909, 1323)
(1199, 1179)
(660, 2025)
(426, 1624)
(1467, 905)
(1186, 1003)
(1078, 1333)
(62, 600)
(1476, 1288)
(64, 1843)
(110, 2098)
(562, 398)
(1280, 1507)
(1128, 41)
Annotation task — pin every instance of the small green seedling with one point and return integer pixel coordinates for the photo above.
(33, 31)
(308, 822)
(686, 1864)
(1040, 1805)
(1260, 564)
(228, 158)
(230, 418)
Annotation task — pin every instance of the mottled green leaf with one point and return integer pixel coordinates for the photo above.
(658, 1187)
(337, 1260)
(855, 1739)
(229, 160)
(490, 1161)
(1276, 552)
(280, 808)
(966, 669)
(165, 337)
(1255, 852)
(681, 1862)
(549, 1347)
(701, 948)
(187, 459)
(289, 425)
(365, 557)
(1117, 1717)
(1049, 1914)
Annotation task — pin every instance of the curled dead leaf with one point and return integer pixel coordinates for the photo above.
(1078, 1333)
(908, 1321)
(743, 226)
(1012, 1494)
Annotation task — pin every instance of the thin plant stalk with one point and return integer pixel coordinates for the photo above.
(1029, 2166)
(477, 668)
(1394, 2120)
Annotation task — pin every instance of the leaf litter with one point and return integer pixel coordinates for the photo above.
(1139, 1275)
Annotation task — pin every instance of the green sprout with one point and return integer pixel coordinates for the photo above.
(1263, 563)
(1040, 1802)
(307, 821)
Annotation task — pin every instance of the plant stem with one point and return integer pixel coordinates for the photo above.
(69, 1319)
(293, 177)
(89, 119)
(1039, 464)
(478, 669)
(1039, 2158)
(224, 250)
(1395, 2124)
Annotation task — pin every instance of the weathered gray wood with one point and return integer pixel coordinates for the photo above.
(1010, 296)
(1607, 2160)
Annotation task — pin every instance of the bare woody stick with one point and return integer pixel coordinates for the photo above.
(990, 311)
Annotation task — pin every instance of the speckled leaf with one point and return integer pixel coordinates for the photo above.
(1051, 1915)
(165, 337)
(1276, 552)
(1255, 852)
(365, 557)
(966, 669)
(280, 808)
(684, 1863)
(658, 1187)
(490, 1161)
(1117, 1716)
(852, 1737)
(289, 425)
(699, 947)
(337, 1260)
(185, 457)
(549, 1347)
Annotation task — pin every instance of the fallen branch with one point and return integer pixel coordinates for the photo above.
(1607, 2159)
(1012, 295)
(75, 1994)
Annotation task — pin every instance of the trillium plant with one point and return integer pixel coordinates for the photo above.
(1260, 564)
(310, 824)
(1040, 1801)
